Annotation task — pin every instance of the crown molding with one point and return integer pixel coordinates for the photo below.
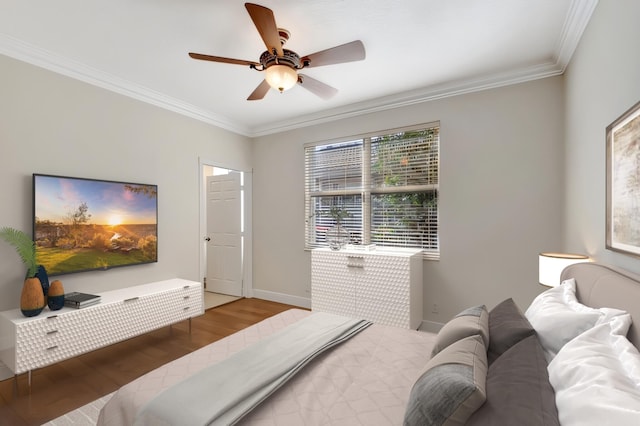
(413, 97)
(17, 49)
(576, 21)
(577, 18)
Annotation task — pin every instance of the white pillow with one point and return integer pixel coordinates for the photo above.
(596, 377)
(558, 317)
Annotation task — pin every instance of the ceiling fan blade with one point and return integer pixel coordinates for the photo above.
(265, 23)
(348, 52)
(317, 87)
(221, 59)
(260, 91)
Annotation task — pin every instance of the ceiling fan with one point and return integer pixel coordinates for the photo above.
(281, 65)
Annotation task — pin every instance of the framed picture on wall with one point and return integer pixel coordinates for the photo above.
(623, 183)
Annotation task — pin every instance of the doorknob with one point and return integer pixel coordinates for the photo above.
(207, 239)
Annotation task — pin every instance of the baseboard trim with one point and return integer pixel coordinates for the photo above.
(302, 302)
(5, 372)
(430, 326)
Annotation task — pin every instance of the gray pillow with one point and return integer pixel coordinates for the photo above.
(518, 389)
(470, 322)
(451, 386)
(507, 326)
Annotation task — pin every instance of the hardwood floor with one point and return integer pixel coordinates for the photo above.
(70, 384)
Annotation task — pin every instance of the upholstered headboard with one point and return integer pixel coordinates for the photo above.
(601, 286)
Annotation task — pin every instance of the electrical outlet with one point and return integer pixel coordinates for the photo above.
(434, 308)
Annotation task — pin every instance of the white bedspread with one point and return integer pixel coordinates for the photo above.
(364, 381)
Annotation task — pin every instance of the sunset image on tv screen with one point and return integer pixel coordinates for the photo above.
(86, 224)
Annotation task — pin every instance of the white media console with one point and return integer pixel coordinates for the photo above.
(52, 336)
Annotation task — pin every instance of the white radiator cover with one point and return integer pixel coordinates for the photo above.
(382, 286)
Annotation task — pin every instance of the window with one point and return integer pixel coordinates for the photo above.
(387, 185)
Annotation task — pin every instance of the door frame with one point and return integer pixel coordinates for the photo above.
(247, 249)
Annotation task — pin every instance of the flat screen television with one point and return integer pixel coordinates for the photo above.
(82, 224)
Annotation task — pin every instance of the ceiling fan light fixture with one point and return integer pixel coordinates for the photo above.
(281, 65)
(281, 77)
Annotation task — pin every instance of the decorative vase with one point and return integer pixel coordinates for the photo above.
(337, 237)
(32, 297)
(44, 281)
(55, 300)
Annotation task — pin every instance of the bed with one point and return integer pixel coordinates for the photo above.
(497, 366)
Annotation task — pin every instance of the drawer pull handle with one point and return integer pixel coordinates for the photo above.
(50, 348)
(355, 262)
(52, 317)
(186, 308)
(133, 299)
(52, 332)
(185, 287)
(186, 297)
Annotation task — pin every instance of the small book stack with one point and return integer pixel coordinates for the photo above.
(80, 300)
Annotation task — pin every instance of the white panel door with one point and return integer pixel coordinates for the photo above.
(224, 233)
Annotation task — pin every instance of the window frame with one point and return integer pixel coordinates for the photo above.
(365, 190)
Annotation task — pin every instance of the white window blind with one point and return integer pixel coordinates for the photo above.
(387, 184)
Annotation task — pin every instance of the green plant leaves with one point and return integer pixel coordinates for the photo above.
(25, 247)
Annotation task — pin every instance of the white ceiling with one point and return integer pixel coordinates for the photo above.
(416, 50)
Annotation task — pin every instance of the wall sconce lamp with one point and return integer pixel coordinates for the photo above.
(550, 266)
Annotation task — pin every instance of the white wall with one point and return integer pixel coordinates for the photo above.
(502, 182)
(500, 202)
(602, 82)
(55, 125)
